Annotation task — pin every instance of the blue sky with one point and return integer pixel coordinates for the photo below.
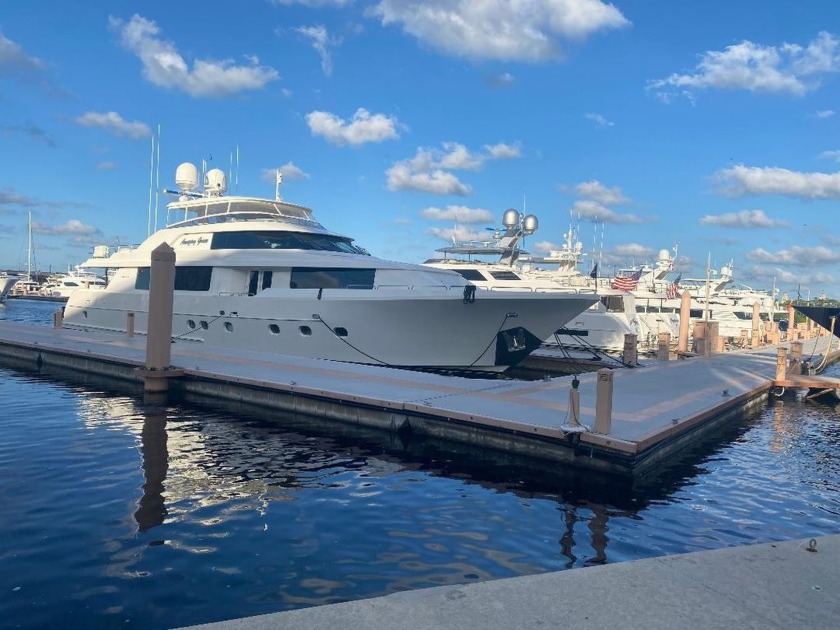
(712, 125)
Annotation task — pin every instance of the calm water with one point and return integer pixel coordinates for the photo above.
(114, 513)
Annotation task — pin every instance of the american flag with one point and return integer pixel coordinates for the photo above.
(627, 283)
(673, 290)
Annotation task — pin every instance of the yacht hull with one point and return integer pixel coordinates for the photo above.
(427, 330)
(826, 316)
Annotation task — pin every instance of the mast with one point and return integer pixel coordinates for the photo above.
(708, 282)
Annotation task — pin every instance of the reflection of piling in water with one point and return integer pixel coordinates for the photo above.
(151, 510)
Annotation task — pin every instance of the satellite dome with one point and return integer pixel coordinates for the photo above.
(510, 219)
(186, 177)
(215, 182)
(663, 255)
(530, 224)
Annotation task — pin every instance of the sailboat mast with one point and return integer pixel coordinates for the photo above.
(29, 250)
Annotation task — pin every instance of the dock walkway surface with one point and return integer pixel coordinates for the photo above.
(791, 584)
(656, 407)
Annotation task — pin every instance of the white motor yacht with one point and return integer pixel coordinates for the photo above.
(60, 286)
(7, 282)
(265, 275)
(602, 326)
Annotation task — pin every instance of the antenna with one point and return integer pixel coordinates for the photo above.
(279, 181)
(151, 185)
(157, 178)
(236, 182)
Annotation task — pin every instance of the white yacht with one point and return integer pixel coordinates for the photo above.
(265, 275)
(60, 286)
(602, 326)
(7, 282)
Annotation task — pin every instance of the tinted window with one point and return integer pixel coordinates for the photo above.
(280, 239)
(472, 274)
(331, 278)
(504, 275)
(186, 278)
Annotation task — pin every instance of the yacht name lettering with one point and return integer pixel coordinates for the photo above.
(201, 240)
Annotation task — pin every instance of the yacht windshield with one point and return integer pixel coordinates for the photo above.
(284, 239)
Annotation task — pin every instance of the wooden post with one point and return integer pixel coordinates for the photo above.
(664, 350)
(791, 334)
(781, 364)
(159, 327)
(685, 316)
(603, 401)
(630, 355)
(58, 318)
(129, 324)
(756, 319)
(795, 366)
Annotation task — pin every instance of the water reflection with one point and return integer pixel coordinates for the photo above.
(151, 509)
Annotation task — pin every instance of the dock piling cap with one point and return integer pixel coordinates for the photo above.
(164, 253)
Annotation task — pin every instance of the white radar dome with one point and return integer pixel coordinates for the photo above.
(530, 224)
(186, 176)
(664, 254)
(215, 182)
(510, 219)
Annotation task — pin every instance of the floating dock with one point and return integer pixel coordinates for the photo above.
(655, 409)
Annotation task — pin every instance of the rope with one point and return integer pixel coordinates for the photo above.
(824, 361)
(386, 364)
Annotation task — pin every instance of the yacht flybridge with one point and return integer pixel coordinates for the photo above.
(265, 275)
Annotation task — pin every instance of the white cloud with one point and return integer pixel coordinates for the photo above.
(322, 43)
(163, 65)
(107, 165)
(596, 191)
(797, 256)
(459, 214)
(832, 155)
(113, 123)
(438, 182)
(364, 127)
(825, 113)
(14, 61)
(597, 213)
(289, 171)
(742, 219)
(8, 197)
(503, 151)
(505, 79)
(633, 250)
(598, 119)
(530, 30)
(73, 226)
(752, 180)
(457, 157)
(458, 234)
(789, 68)
(428, 170)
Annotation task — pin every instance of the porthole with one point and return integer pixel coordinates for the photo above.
(341, 331)
(228, 327)
(191, 323)
(204, 325)
(274, 329)
(306, 331)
